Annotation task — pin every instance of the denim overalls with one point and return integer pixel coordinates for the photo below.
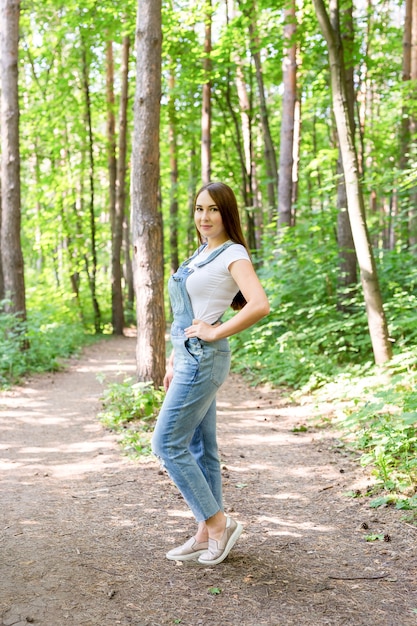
(185, 433)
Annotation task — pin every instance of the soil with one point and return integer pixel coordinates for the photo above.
(84, 529)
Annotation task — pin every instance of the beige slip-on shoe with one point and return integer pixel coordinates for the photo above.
(189, 551)
(218, 550)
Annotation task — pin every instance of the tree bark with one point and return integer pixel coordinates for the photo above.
(146, 217)
(11, 250)
(116, 224)
(286, 160)
(173, 168)
(378, 330)
(347, 276)
(121, 212)
(402, 230)
(91, 269)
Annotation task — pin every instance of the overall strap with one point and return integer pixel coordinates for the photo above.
(215, 253)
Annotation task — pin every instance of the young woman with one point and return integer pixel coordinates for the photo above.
(219, 274)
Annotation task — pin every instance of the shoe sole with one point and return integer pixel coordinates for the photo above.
(229, 545)
(185, 557)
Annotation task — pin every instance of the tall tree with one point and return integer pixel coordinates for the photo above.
(405, 113)
(146, 217)
(269, 149)
(116, 219)
(90, 257)
(286, 155)
(121, 214)
(11, 250)
(173, 169)
(378, 329)
(347, 276)
(246, 150)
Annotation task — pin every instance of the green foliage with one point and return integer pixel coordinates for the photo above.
(38, 344)
(130, 409)
(309, 343)
(214, 591)
(374, 537)
(384, 425)
(306, 336)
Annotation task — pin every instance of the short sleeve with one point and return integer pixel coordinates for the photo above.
(236, 252)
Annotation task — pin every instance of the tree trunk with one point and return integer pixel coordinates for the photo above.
(116, 225)
(193, 174)
(286, 160)
(91, 269)
(296, 157)
(11, 250)
(128, 266)
(120, 209)
(173, 163)
(376, 317)
(269, 150)
(347, 276)
(146, 217)
(206, 103)
(402, 231)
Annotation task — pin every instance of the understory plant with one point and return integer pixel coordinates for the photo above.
(39, 343)
(310, 344)
(130, 409)
(379, 420)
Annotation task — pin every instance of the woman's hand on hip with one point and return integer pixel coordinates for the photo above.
(202, 330)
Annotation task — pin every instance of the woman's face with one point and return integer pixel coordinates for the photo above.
(208, 220)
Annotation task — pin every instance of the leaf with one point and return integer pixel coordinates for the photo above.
(214, 591)
(374, 537)
(382, 500)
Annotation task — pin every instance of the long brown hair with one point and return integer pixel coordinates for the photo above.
(226, 202)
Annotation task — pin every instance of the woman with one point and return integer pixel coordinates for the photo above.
(218, 275)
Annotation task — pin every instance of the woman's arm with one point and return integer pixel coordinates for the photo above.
(256, 308)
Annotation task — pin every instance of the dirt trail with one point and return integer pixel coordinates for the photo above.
(84, 530)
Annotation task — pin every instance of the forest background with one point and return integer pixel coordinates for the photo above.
(322, 156)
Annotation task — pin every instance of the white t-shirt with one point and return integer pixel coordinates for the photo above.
(211, 287)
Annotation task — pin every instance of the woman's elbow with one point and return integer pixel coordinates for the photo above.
(262, 308)
(266, 308)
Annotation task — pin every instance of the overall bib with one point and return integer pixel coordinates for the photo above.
(185, 434)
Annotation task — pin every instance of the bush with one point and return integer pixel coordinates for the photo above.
(130, 410)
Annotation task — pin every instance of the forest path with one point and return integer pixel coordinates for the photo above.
(84, 530)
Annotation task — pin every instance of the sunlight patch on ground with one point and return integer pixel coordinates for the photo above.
(73, 470)
(297, 525)
(115, 366)
(177, 513)
(7, 466)
(44, 421)
(283, 496)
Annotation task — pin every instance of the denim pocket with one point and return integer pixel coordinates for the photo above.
(221, 366)
(194, 348)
